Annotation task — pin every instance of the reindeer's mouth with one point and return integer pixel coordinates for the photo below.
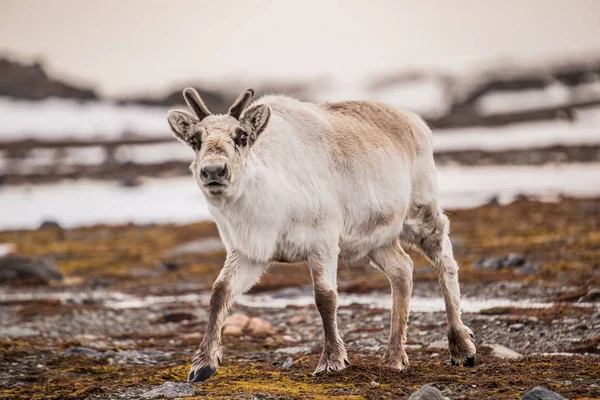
(215, 187)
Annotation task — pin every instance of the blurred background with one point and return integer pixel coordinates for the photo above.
(511, 89)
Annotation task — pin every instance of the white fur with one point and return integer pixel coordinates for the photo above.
(292, 199)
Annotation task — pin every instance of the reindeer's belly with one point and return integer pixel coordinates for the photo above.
(360, 239)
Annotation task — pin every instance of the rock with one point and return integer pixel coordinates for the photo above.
(593, 296)
(439, 344)
(260, 328)
(198, 247)
(14, 331)
(49, 224)
(513, 260)
(427, 392)
(504, 352)
(294, 350)
(238, 320)
(176, 316)
(129, 179)
(81, 351)
(374, 384)
(139, 357)
(527, 269)
(171, 390)
(541, 393)
(297, 319)
(233, 330)
(516, 327)
(6, 249)
(287, 363)
(28, 270)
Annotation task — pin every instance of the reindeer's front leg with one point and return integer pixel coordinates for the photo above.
(323, 269)
(238, 275)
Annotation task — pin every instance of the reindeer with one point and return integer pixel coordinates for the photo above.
(289, 181)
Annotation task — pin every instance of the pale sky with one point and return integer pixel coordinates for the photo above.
(128, 46)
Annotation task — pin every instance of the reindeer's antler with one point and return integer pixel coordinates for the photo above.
(194, 101)
(241, 103)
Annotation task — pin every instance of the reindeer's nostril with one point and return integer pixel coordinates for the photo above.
(214, 171)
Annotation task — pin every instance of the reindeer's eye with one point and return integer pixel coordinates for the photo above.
(195, 142)
(241, 137)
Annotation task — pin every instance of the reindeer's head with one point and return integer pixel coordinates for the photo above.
(221, 142)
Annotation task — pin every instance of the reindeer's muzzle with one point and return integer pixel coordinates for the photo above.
(215, 176)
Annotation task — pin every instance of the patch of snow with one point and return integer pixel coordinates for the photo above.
(585, 131)
(553, 95)
(176, 200)
(62, 118)
(179, 200)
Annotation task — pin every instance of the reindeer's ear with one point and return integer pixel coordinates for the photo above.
(256, 118)
(182, 124)
(241, 103)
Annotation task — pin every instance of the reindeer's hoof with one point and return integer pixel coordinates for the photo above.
(466, 362)
(330, 366)
(201, 374)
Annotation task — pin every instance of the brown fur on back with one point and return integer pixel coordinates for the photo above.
(360, 126)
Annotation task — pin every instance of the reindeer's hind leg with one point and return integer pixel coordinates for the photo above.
(426, 228)
(398, 267)
(237, 276)
(323, 269)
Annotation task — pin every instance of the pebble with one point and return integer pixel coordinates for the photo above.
(439, 344)
(233, 330)
(81, 351)
(516, 327)
(16, 268)
(527, 269)
(198, 247)
(592, 296)
(504, 352)
(294, 350)
(427, 392)
(287, 363)
(171, 390)
(260, 328)
(541, 393)
(297, 319)
(15, 331)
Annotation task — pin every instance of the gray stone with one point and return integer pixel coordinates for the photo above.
(35, 270)
(513, 260)
(516, 327)
(427, 392)
(294, 350)
(81, 351)
(209, 245)
(49, 224)
(439, 344)
(288, 362)
(171, 390)
(592, 296)
(15, 331)
(504, 352)
(527, 269)
(139, 357)
(541, 393)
